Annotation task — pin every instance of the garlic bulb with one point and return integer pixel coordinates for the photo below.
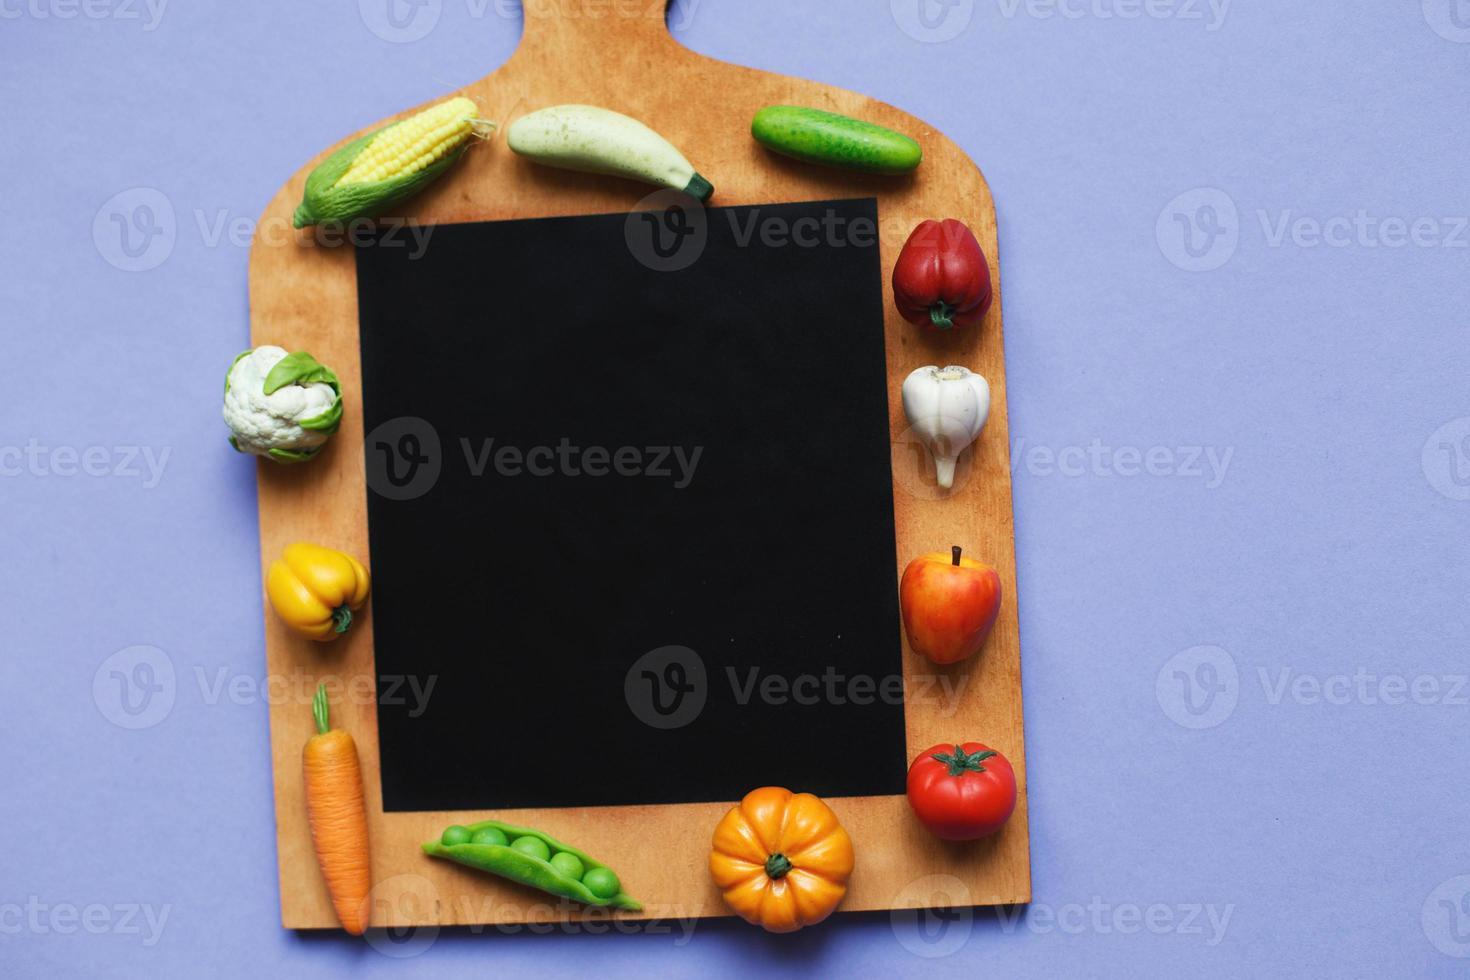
(948, 408)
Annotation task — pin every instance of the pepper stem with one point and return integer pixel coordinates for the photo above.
(777, 865)
(954, 553)
(341, 619)
(321, 711)
(940, 313)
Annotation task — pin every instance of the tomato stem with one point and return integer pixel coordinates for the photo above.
(960, 762)
(777, 865)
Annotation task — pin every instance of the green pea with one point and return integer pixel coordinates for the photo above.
(540, 861)
(568, 864)
(532, 846)
(601, 882)
(488, 835)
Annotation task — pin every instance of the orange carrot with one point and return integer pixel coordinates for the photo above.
(338, 817)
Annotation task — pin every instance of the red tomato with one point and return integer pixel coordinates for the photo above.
(962, 792)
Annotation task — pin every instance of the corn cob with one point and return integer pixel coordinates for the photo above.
(388, 165)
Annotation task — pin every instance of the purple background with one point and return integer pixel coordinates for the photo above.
(1330, 826)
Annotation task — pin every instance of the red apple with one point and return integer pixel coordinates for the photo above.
(949, 604)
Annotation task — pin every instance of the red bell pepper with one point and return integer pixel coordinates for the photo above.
(941, 279)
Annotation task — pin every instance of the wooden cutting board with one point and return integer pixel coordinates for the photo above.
(303, 297)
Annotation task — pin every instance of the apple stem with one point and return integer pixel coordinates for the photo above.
(955, 553)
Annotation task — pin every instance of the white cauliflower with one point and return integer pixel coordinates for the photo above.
(280, 405)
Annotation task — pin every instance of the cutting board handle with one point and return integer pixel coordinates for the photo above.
(573, 31)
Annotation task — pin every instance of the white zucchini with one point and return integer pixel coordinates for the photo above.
(600, 141)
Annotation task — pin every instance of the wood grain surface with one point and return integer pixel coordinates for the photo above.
(303, 296)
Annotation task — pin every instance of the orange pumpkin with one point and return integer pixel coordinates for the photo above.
(782, 859)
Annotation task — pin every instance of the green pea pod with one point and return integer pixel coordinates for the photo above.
(507, 862)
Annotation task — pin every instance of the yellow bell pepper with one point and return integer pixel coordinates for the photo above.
(781, 859)
(314, 590)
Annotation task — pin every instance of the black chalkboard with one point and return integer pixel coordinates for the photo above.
(670, 577)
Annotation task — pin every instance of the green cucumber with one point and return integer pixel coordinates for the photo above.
(821, 137)
(600, 141)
